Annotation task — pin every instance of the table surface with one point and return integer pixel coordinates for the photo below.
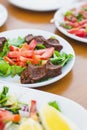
(74, 84)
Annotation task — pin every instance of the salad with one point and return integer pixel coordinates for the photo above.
(75, 21)
(16, 115)
(33, 58)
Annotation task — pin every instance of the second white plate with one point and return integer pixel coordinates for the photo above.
(40, 5)
(59, 18)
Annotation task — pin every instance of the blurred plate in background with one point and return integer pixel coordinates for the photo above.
(3, 15)
(40, 5)
(59, 18)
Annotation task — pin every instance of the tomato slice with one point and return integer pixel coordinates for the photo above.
(27, 53)
(10, 61)
(22, 61)
(78, 32)
(33, 110)
(2, 125)
(13, 54)
(13, 48)
(7, 116)
(47, 54)
(40, 52)
(84, 21)
(32, 44)
(35, 59)
(25, 47)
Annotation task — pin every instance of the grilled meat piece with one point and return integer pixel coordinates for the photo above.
(39, 39)
(28, 38)
(46, 42)
(34, 73)
(2, 41)
(53, 43)
(52, 70)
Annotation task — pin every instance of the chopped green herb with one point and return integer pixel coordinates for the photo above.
(68, 13)
(16, 42)
(86, 28)
(55, 105)
(40, 46)
(60, 59)
(67, 26)
(6, 69)
(3, 95)
(79, 17)
(53, 37)
(85, 9)
(5, 49)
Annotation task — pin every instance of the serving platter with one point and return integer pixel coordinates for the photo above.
(69, 108)
(66, 48)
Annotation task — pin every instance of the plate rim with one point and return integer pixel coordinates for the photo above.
(54, 79)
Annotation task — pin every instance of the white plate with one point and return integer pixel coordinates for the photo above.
(69, 108)
(40, 5)
(59, 18)
(3, 15)
(66, 48)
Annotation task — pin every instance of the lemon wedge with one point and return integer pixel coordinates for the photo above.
(52, 119)
(30, 124)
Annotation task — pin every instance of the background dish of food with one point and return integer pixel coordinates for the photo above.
(59, 18)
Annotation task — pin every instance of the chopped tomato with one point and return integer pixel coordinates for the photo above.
(13, 48)
(74, 25)
(2, 125)
(40, 52)
(33, 110)
(84, 21)
(78, 32)
(81, 33)
(84, 5)
(73, 30)
(71, 18)
(25, 47)
(27, 53)
(10, 61)
(13, 54)
(19, 63)
(24, 54)
(32, 44)
(7, 116)
(16, 118)
(22, 59)
(35, 59)
(47, 54)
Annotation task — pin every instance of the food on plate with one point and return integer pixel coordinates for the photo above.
(75, 21)
(17, 115)
(35, 73)
(33, 58)
(52, 119)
